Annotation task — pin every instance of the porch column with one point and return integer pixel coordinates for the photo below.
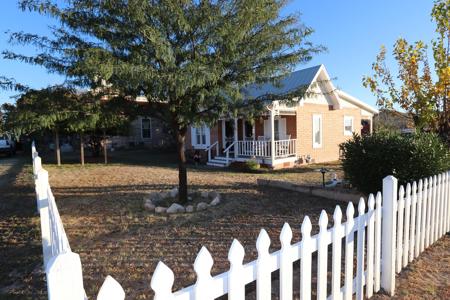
(272, 136)
(236, 146)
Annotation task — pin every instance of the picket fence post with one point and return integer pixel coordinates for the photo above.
(42, 200)
(64, 277)
(263, 275)
(388, 234)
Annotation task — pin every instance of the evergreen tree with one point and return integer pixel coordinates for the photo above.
(190, 58)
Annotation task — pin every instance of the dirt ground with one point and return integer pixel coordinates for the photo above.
(101, 208)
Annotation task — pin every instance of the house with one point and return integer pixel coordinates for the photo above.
(301, 130)
(144, 131)
(391, 119)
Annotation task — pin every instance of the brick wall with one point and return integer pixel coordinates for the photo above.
(332, 130)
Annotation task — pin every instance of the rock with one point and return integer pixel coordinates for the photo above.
(214, 194)
(149, 206)
(173, 192)
(204, 194)
(189, 208)
(164, 195)
(202, 206)
(189, 198)
(160, 209)
(156, 198)
(175, 208)
(215, 201)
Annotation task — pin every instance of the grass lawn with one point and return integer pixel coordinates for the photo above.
(101, 208)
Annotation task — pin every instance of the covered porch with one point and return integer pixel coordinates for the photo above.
(270, 139)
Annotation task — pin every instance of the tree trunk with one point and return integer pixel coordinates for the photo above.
(105, 149)
(182, 174)
(57, 148)
(81, 149)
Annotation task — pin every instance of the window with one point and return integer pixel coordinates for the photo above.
(348, 125)
(200, 136)
(317, 131)
(146, 128)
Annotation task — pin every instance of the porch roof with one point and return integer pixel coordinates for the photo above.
(290, 83)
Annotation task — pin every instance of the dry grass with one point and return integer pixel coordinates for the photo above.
(101, 207)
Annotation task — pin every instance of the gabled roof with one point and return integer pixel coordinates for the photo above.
(288, 84)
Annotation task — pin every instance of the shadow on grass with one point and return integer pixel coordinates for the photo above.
(21, 275)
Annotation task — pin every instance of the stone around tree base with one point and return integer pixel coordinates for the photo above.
(160, 209)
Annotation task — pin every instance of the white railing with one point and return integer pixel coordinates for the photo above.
(227, 153)
(254, 148)
(396, 232)
(214, 145)
(283, 148)
(62, 266)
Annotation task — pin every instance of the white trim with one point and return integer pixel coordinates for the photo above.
(349, 133)
(207, 133)
(317, 145)
(357, 102)
(142, 129)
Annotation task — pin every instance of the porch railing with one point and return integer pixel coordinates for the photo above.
(283, 148)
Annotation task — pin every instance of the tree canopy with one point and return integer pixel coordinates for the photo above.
(190, 58)
(420, 94)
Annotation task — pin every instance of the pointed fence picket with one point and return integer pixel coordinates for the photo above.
(397, 230)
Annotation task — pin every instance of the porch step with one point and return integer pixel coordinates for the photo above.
(218, 161)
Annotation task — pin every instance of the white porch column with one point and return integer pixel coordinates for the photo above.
(236, 146)
(272, 136)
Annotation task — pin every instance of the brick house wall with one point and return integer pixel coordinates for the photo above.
(332, 130)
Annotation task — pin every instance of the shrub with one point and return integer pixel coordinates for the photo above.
(368, 159)
(252, 165)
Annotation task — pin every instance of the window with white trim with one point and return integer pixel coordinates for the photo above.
(146, 128)
(348, 125)
(200, 136)
(317, 131)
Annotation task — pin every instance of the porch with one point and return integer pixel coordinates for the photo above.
(270, 139)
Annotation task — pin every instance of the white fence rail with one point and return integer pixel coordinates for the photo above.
(396, 232)
(283, 148)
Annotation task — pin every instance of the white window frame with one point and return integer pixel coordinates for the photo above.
(346, 132)
(314, 117)
(206, 131)
(142, 128)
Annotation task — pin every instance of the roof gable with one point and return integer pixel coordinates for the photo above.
(288, 84)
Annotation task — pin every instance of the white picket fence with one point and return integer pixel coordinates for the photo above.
(394, 233)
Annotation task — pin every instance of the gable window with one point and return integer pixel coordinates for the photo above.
(348, 125)
(200, 136)
(146, 128)
(317, 131)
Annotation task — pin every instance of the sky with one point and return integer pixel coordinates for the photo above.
(351, 30)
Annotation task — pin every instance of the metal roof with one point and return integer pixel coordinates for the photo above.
(289, 83)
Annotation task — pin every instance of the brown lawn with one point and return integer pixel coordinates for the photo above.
(101, 208)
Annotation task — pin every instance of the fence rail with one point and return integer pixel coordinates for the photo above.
(283, 148)
(394, 226)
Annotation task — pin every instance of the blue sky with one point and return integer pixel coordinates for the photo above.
(353, 32)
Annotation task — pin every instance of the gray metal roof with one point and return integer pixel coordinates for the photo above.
(289, 83)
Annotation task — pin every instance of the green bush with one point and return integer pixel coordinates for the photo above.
(368, 159)
(252, 165)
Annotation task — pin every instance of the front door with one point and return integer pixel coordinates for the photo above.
(228, 136)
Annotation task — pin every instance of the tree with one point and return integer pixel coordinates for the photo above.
(419, 94)
(86, 114)
(190, 58)
(51, 109)
(116, 112)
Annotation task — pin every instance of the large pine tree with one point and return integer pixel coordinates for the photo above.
(190, 58)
